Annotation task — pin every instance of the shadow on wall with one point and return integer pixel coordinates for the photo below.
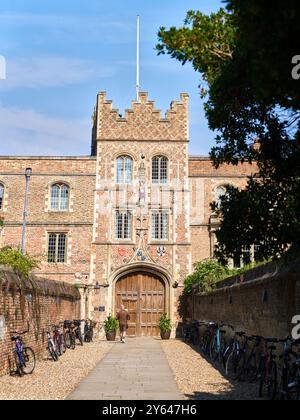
(261, 301)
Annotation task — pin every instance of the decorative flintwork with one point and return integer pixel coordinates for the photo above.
(142, 122)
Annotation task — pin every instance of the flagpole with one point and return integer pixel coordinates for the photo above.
(138, 59)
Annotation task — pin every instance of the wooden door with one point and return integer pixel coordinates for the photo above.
(143, 295)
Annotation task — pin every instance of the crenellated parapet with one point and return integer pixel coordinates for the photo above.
(142, 122)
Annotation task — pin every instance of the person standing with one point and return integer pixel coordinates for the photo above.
(123, 318)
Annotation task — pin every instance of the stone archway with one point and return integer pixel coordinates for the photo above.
(145, 294)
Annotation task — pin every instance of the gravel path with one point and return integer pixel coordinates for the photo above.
(55, 381)
(197, 379)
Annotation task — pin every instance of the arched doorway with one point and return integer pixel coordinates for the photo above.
(144, 296)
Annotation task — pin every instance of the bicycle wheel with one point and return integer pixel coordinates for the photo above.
(80, 338)
(52, 351)
(232, 364)
(251, 370)
(223, 348)
(262, 378)
(214, 352)
(273, 382)
(72, 341)
(206, 346)
(293, 393)
(18, 365)
(57, 345)
(240, 367)
(63, 347)
(29, 361)
(68, 340)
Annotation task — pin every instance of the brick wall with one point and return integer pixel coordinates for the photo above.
(33, 305)
(79, 173)
(263, 301)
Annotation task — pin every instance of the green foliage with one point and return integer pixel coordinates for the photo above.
(205, 41)
(111, 324)
(21, 264)
(207, 273)
(251, 94)
(165, 324)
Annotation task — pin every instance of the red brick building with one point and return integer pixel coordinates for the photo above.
(126, 223)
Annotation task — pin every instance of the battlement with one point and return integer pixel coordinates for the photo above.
(142, 122)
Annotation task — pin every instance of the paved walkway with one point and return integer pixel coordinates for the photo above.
(137, 370)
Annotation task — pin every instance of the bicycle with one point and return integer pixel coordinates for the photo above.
(268, 372)
(290, 373)
(59, 339)
(51, 346)
(70, 338)
(218, 343)
(24, 356)
(206, 339)
(88, 331)
(248, 366)
(77, 331)
(233, 355)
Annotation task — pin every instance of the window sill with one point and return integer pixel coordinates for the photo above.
(57, 264)
(159, 242)
(59, 211)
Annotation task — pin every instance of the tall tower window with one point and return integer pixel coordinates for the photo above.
(60, 197)
(160, 225)
(123, 225)
(124, 170)
(159, 170)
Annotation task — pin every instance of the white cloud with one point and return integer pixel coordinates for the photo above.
(27, 132)
(52, 71)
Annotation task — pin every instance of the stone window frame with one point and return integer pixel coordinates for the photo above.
(158, 181)
(69, 208)
(161, 239)
(115, 230)
(4, 205)
(217, 196)
(66, 251)
(2, 196)
(125, 157)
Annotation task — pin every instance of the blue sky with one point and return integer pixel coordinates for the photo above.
(60, 53)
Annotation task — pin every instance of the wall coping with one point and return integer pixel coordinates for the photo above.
(10, 281)
(268, 271)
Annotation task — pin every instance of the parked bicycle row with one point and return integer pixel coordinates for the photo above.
(61, 337)
(272, 363)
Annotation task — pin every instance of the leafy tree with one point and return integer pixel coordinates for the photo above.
(207, 273)
(251, 94)
(21, 264)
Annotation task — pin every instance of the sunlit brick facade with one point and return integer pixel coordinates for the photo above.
(138, 204)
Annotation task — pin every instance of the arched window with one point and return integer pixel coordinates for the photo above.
(124, 170)
(219, 193)
(1, 196)
(60, 197)
(159, 170)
